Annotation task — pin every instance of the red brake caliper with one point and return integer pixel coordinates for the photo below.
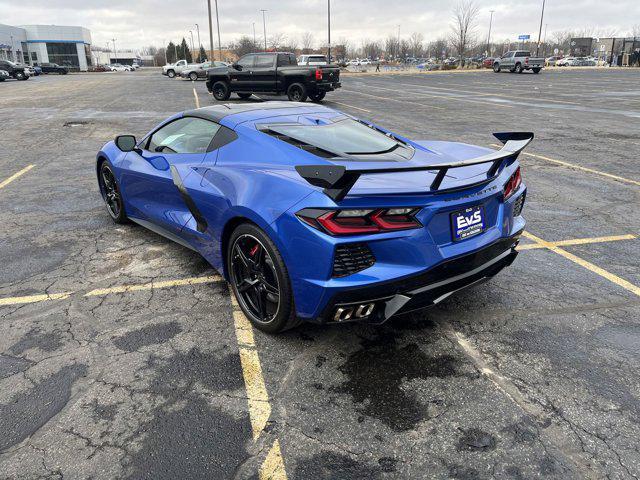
(253, 251)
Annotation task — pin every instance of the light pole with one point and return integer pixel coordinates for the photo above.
(264, 28)
(199, 43)
(489, 36)
(329, 30)
(398, 50)
(115, 52)
(191, 33)
(166, 62)
(254, 34)
(13, 51)
(210, 29)
(218, 26)
(540, 31)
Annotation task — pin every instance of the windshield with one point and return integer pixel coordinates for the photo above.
(11, 63)
(346, 136)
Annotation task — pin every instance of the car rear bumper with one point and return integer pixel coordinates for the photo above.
(425, 289)
(328, 87)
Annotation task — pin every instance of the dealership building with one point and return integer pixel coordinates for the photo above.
(37, 44)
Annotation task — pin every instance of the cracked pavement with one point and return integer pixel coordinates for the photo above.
(531, 375)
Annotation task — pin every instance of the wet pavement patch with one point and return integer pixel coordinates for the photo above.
(31, 409)
(185, 420)
(476, 440)
(149, 335)
(36, 338)
(328, 465)
(11, 365)
(102, 411)
(375, 374)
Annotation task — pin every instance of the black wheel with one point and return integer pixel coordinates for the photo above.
(20, 76)
(317, 97)
(221, 91)
(297, 92)
(259, 280)
(244, 96)
(518, 68)
(193, 76)
(536, 70)
(171, 73)
(496, 67)
(111, 194)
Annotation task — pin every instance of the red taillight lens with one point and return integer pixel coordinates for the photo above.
(360, 221)
(318, 74)
(512, 184)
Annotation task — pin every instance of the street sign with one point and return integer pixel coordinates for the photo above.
(524, 37)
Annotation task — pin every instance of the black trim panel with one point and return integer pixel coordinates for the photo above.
(199, 218)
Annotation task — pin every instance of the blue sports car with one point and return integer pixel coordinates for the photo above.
(312, 214)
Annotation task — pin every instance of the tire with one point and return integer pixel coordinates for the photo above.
(317, 97)
(193, 76)
(256, 272)
(221, 91)
(518, 68)
(496, 67)
(244, 96)
(110, 191)
(536, 70)
(171, 73)
(297, 92)
(21, 76)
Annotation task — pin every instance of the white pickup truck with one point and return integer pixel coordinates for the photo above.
(173, 69)
(518, 61)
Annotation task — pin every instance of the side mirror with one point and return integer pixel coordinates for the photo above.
(237, 67)
(126, 143)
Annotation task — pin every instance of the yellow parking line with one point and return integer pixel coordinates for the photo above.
(578, 241)
(257, 397)
(578, 167)
(6, 182)
(351, 106)
(583, 263)
(392, 99)
(107, 291)
(33, 298)
(153, 285)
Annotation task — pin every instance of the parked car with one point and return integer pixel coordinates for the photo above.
(304, 231)
(117, 67)
(54, 68)
(518, 61)
(37, 69)
(552, 61)
(312, 60)
(273, 73)
(566, 62)
(15, 70)
(488, 62)
(199, 70)
(173, 69)
(29, 69)
(4, 75)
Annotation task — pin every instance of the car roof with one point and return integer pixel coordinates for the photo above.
(252, 111)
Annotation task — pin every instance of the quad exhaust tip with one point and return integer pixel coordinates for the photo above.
(353, 312)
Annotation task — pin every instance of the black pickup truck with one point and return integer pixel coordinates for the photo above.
(15, 70)
(273, 73)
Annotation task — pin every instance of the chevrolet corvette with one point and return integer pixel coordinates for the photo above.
(312, 214)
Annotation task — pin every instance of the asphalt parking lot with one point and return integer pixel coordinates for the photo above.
(123, 355)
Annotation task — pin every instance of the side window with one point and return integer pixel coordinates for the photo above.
(246, 61)
(185, 135)
(283, 60)
(265, 61)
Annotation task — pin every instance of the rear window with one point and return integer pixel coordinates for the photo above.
(284, 60)
(263, 61)
(523, 54)
(345, 136)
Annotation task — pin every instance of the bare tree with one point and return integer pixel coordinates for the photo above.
(635, 30)
(465, 15)
(276, 40)
(242, 46)
(416, 40)
(307, 42)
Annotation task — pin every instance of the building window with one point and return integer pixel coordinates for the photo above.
(65, 54)
(34, 57)
(25, 56)
(87, 54)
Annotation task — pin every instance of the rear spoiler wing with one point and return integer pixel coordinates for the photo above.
(338, 180)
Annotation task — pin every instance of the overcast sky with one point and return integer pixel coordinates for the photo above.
(138, 23)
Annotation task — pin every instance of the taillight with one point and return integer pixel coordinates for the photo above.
(512, 184)
(318, 74)
(360, 221)
(526, 60)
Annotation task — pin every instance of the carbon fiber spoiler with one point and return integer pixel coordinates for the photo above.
(338, 180)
